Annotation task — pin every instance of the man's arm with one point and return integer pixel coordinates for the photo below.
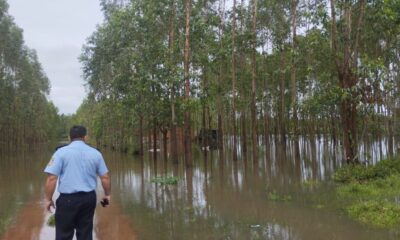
(106, 183)
(50, 187)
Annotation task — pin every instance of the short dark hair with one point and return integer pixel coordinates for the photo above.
(77, 131)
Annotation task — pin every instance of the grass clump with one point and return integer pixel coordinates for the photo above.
(369, 193)
(379, 213)
(166, 180)
(361, 173)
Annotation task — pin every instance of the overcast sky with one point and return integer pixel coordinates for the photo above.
(57, 29)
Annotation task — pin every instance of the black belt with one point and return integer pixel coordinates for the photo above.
(76, 193)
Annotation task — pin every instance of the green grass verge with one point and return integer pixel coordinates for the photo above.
(371, 194)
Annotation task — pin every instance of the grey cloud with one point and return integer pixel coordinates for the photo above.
(57, 29)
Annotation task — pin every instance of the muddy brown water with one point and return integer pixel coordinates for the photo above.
(278, 197)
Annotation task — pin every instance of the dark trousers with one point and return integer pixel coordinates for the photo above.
(75, 212)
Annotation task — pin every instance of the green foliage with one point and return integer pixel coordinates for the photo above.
(360, 173)
(369, 194)
(379, 213)
(171, 180)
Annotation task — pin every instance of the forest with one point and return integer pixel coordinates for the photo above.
(167, 73)
(27, 117)
(218, 119)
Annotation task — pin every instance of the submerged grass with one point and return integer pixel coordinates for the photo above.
(274, 196)
(370, 194)
(52, 221)
(166, 180)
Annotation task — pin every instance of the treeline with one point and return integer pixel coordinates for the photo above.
(26, 116)
(254, 70)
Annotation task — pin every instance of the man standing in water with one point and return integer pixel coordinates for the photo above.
(76, 167)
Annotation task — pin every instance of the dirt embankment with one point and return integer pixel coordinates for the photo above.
(27, 224)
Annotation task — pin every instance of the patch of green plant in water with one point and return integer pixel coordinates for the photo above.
(52, 220)
(311, 183)
(166, 180)
(319, 206)
(274, 196)
(369, 194)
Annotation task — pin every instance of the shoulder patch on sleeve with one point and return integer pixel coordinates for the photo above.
(51, 162)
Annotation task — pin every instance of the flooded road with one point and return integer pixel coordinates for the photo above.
(277, 197)
(22, 214)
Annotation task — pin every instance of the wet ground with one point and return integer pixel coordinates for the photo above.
(280, 196)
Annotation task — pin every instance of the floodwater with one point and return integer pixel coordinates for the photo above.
(281, 196)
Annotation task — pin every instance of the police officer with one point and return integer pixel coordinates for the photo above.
(76, 167)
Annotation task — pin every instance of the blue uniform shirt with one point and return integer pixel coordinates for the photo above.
(77, 166)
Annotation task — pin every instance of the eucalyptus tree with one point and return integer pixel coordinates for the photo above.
(352, 37)
(27, 117)
(381, 60)
(186, 62)
(233, 76)
(345, 48)
(293, 102)
(253, 80)
(153, 62)
(131, 56)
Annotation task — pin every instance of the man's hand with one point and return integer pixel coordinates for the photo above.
(49, 205)
(50, 187)
(106, 201)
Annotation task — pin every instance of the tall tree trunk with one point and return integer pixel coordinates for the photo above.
(346, 64)
(390, 131)
(155, 141)
(165, 144)
(205, 114)
(220, 137)
(141, 134)
(253, 85)
(282, 119)
(293, 67)
(204, 125)
(171, 40)
(244, 133)
(396, 113)
(174, 141)
(234, 130)
(204, 130)
(187, 138)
